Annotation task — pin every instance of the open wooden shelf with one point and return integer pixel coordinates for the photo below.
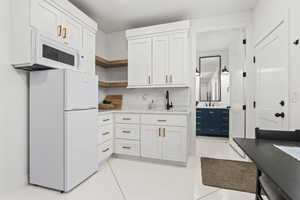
(110, 64)
(113, 84)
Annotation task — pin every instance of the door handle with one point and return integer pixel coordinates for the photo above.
(282, 115)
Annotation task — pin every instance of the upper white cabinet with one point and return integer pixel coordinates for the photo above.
(165, 64)
(160, 60)
(72, 32)
(59, 24)
(87, 58)
(178, 67)
(140, 62)
(46, 18)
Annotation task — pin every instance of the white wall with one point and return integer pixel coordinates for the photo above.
(13, 112)
(101, 44)
(117, 45)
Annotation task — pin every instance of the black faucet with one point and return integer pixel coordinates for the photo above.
(168, 106)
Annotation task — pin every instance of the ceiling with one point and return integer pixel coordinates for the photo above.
(117, 15)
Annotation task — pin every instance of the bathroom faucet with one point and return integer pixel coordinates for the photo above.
(168, 106)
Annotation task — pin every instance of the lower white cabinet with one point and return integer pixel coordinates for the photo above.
(128, 131)
(105, 136)
(166, 143)
(127, 147)
(174, 144)
(160, 137)
(105, 150)
(151, 142)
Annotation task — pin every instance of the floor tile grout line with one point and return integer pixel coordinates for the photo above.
(209, 194)
(117, 181)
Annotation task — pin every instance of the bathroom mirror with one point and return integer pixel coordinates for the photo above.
(209, 74)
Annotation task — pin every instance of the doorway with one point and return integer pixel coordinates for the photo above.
(220, 87)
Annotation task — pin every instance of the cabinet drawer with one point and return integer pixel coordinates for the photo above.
(105, 151)
(127, 118)
(105, 133)
(127, 147)
(126, 131)
(105, 119)
(164, 120)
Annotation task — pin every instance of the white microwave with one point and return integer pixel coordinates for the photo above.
(50, 54)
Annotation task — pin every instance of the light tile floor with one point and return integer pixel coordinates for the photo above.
(136, 180)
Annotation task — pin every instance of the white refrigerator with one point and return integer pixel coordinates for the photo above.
(63, 128)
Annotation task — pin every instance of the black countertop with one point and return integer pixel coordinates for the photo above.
(280, 167)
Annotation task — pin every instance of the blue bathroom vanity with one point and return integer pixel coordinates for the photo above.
(212, 122)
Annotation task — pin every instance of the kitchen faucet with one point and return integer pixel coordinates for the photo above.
(168, 106)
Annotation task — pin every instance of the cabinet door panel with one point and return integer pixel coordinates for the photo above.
(151, 142)
(87, 62)
(46, 18)
(140, 62)
(72, 33)
(174, 144)
(178, 58)
(160, 60)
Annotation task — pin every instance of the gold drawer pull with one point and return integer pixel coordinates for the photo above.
(161, 120)
(126, 119)
(105, 150)
(126, 131)
(126, 147)
(105, 120)
(64, 33)
(106, 133)
(59, 30)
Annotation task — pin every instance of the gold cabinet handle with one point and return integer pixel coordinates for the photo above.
(59, 30)
(126, 147)
(127, 119)
(149, 79)
(161, 120)
(126, 132)
(64, 33)
(166, 78)
(159, 134)
(171, 78)
(106, 133)
(164, 132)
(105, 120)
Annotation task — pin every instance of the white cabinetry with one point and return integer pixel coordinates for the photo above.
(151, 142)
(157, 55)
(87, 58)
(59, 23)
(164, 137)
(127, 135)
(178, 69)
(160, 60)
(105, 136)
(174, 144)
(72, 32)
(140, 62)
(46, 18)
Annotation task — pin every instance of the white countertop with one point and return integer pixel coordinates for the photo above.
(141, 111)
